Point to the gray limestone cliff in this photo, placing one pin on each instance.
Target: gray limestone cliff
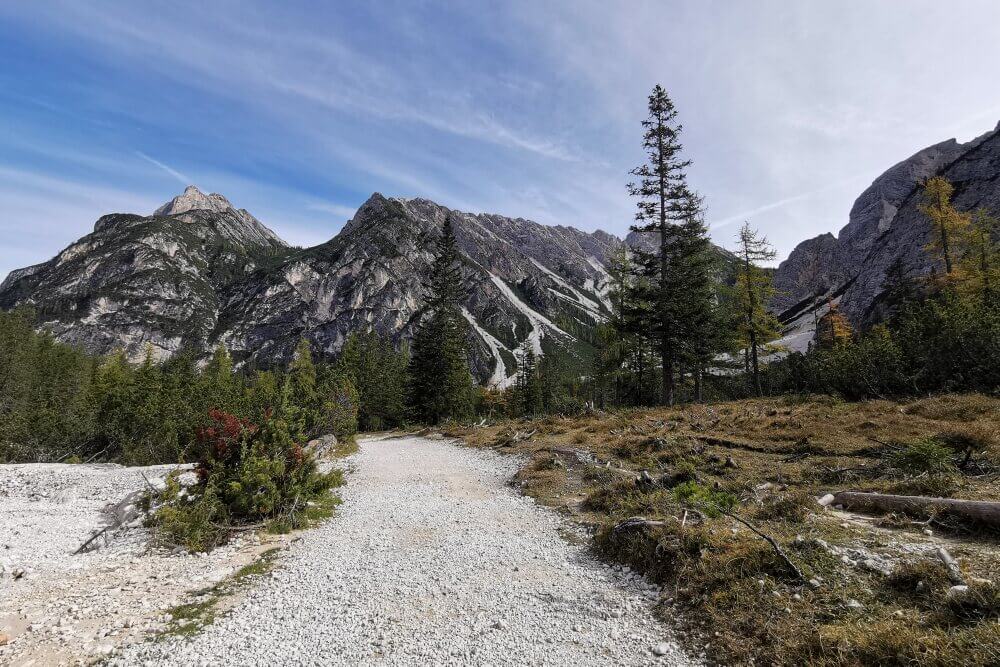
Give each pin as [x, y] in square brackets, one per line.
[885, 226]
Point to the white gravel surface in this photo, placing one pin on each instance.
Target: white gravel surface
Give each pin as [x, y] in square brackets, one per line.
[59, 608]
[432, 559]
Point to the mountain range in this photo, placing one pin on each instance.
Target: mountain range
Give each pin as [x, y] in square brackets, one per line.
[199, 272]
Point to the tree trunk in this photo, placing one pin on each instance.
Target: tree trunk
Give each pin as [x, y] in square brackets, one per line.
[945, 249]
[667, 388]
[638, 385]
[753, 363]
[666, 354]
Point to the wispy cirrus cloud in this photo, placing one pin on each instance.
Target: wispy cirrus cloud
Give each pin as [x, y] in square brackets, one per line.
[855, 180]
[531, 109]
[338, 210]
[170, 170]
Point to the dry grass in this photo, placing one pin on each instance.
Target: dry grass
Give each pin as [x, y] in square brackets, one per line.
[774, 457]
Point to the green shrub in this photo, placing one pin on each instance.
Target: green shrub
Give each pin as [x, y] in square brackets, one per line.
[924, 456]
[247, 475]
[710, 501]
[189, 520]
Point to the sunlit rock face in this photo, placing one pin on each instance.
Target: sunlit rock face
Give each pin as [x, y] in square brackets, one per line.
[199, 272]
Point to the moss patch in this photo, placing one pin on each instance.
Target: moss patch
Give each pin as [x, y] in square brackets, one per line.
[191, 617]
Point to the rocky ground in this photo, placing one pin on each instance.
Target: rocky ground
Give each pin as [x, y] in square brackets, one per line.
[432, 559]
[59, 608]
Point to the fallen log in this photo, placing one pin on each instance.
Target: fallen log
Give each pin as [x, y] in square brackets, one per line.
[981, 512]
[637, 523]
[119, 514]
[729, 443]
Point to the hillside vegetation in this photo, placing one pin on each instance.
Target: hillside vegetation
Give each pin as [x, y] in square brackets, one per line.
[872, 590]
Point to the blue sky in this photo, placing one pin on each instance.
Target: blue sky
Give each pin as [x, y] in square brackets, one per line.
[298, 112]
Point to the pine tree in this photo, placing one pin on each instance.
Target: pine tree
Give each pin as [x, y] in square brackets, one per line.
[663, 199]
[219, 385]
[757, 326]
[695, 297]
[613, 336]
[378, 371]
[948, 224]
[832, 329]
[300, 401]
[899, 287]
[528, 384]
[440, 384]
[981, 260]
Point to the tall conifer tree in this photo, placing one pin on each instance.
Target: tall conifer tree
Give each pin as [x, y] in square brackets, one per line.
[440, 382]
[753, 291]
[664, 200]
[694, 294]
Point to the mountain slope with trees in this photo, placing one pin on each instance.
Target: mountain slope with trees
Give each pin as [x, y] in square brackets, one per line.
[199, 273]
[886, 233]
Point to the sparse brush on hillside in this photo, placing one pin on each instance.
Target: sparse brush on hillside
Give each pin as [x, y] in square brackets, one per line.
[721, 479]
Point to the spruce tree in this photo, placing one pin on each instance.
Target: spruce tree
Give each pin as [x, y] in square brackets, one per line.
[378, 371]
[528, 384]
[694, 295]
[440, 385]
[663, 200]
[611, 336]
[300, 401]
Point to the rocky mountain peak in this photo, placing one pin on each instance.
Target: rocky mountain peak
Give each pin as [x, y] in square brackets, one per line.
[885, 226]
[235, 224]
[193, 199]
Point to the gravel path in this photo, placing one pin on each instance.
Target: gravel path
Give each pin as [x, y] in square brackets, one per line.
[432, 559]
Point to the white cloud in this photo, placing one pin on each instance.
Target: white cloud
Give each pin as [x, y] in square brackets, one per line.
[542, 121]
[43, 214]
